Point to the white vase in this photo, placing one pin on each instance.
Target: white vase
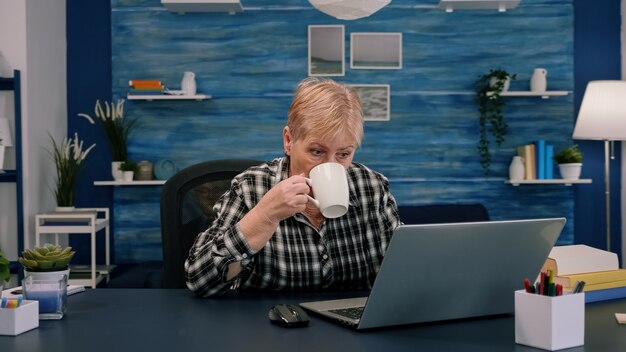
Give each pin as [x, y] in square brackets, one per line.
[539, 80]
[115, 170]
[516, 169]
[570, 171]
[188, 84]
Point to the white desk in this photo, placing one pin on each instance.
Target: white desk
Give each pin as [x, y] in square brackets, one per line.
[81, 221]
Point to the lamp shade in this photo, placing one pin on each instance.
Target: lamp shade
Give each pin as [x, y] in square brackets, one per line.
[349, 9]
[5, 133]
[602, 114]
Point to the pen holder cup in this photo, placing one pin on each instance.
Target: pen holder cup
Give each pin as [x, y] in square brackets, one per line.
[549, 323]
[14, 321]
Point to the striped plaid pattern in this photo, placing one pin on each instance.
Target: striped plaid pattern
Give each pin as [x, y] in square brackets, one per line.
[344, 254]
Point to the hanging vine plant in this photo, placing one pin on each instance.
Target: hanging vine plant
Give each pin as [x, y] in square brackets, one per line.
[491, 119]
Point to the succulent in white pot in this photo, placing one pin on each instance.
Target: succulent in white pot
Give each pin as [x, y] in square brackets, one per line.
[48, 260]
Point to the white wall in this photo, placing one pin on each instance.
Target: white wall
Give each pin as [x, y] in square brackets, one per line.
[33, 40]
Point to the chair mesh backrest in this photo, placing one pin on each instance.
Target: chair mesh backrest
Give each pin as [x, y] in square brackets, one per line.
[196, 208]
[187, 203]
[443, 213]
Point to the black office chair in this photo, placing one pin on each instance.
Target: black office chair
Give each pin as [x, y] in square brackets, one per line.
[442, 213]
[187, 200]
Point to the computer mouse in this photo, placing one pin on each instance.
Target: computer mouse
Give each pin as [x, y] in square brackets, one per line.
[288, 315]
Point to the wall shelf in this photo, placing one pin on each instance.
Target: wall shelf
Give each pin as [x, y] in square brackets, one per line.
[543, 95]
[129, 183]
[184, 6]
[527, 93]
[500, 5]
[555, 181]
[197, 97]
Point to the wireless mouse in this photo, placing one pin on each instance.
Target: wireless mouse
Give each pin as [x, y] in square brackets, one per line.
[288, 315]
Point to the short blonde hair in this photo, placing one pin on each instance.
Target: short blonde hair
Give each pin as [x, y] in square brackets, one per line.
[323, 108]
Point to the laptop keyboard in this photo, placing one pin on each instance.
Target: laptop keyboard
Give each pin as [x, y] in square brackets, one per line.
[352, 313]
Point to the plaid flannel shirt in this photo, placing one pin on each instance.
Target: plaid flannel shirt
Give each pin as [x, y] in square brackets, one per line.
[345, 253]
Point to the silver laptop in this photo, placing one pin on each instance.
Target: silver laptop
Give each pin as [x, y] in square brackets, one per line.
[449, 271]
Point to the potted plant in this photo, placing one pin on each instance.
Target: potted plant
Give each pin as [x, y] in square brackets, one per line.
[5, 275]
[570, 162]
[117, 129]
[48, 260]
[490, 104]
[68, 158]
[128, 168]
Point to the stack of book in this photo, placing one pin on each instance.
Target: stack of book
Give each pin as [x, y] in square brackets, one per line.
[145, 87]
[599, 270]
[538, 163]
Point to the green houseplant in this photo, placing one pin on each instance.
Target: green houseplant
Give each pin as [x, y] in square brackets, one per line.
[68, 158]
[491, 118]
[128, 165]
[570, 161]
[569, 155]
[128, 168]
[47, 258]
[117, 129]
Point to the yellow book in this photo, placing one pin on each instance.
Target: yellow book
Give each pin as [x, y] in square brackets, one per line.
[605, 285]
[593, 278]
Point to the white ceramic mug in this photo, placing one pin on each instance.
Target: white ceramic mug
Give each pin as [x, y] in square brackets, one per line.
[330, 188]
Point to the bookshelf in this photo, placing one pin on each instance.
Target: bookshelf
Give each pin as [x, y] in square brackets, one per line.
[13, 84]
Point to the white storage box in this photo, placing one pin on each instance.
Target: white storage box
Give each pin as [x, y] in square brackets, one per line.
[14, 321]
[549, 323]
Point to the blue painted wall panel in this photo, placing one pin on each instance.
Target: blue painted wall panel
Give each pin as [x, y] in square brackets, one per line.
[250, 63]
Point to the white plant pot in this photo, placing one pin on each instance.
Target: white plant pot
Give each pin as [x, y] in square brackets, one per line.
[128, 176]
[47, 275]
[65, 208]
[570, 171]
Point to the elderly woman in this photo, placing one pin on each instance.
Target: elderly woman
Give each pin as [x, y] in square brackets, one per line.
[269, 236]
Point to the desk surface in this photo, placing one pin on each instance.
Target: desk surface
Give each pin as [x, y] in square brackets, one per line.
[172, 320]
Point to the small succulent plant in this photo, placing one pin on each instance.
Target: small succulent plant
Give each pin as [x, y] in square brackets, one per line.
[47, 258]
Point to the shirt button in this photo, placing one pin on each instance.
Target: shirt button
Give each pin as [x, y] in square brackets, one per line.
[244, 256]
[325, 256]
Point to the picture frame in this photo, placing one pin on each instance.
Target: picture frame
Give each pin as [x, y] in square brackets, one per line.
[376, 51]
[326, 50]
[375, 101]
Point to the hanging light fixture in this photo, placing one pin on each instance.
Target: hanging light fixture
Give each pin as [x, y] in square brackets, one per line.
[349, 9]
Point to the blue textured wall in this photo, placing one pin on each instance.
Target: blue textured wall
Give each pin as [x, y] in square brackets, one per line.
[251, 61]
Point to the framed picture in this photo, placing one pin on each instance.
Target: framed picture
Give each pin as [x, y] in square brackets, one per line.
[380, 51]
[375, 100]
[326, 50]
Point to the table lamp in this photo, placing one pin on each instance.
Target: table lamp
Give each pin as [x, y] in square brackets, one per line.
[602, 116]
[5, 139]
